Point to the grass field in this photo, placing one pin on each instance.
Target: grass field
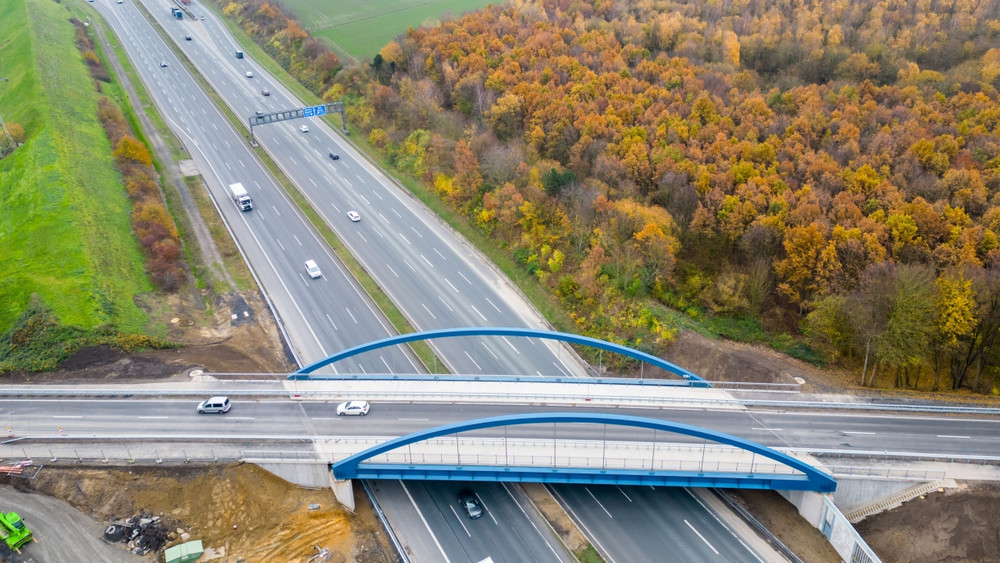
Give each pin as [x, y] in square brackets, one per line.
[361, 29]
[65, 233]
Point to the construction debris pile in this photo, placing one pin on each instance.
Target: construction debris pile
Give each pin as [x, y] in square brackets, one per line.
[143, 533]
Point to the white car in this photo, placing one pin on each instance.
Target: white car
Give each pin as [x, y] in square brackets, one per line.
[312, 269]
[356, 408]
[214, 405]
[249, 74]
[353, 216]
[304, 128]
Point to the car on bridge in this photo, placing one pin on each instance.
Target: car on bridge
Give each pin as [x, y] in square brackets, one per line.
[356, 408]
[214, 405]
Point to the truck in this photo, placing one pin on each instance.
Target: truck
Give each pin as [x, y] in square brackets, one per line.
[240, 197]
[177, 13]
[186, 2]
[15, 533]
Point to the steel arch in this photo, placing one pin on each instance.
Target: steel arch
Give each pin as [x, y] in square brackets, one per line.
[695, 381]
[811, 479]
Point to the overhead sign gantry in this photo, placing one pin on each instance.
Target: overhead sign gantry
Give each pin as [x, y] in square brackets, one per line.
[262, 118]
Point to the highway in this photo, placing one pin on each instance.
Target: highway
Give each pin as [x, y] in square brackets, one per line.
[433, 276]
[322, 315]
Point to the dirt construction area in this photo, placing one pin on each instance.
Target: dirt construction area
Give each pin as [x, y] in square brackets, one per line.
[244, 513]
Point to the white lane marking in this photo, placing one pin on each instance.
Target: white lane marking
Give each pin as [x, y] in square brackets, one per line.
[348, 182]
[482, 316]
[463, 276]
[473, 361]
[297, 239]
[404, 239]
[531, 521]
[724, 526]
[240, 418]
[443, 258]
[278, 240]
[384, 218]
[365, 199]
[598, 502]
[447, 281]
[767, 429]
[416, 232]
[492, 303]
[487, 510]
[352, 316]
[378, 195]
[397, 213]
[312, 182]
[701, 536]
[428, 311]
[388, 368]
[623, 493]
[426, 260]
[66, 416]
[331, 321]
[512, 347]
[459, 520]
[358, 176]
[276, 212]
[956, 437]
[335, 208]
[602, 552]
[391, 270]
[292, 160]
[859, 432]
[153, 417]
[424, 520]
[407, 262]
[445, 303]
[495, 357]
[363, 239]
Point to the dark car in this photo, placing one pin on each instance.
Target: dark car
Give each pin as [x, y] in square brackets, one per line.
[334, 156]
[187, 37]
[470, 502]
[265, 92]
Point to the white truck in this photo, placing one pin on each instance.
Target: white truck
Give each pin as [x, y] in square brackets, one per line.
[240, 196]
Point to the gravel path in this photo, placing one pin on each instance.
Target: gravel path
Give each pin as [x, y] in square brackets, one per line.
[62, 533]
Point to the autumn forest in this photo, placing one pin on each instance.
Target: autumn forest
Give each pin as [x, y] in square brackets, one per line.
[822, 176]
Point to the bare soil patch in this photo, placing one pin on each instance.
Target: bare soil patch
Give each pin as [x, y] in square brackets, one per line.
[947, 527]
[241, 511]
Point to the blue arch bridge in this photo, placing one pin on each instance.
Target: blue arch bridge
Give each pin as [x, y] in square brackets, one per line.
[638, 453]
[574, 448]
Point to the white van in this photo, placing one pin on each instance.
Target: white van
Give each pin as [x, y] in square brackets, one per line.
[214, 405]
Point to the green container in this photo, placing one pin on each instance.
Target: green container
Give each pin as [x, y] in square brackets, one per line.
[184, 553]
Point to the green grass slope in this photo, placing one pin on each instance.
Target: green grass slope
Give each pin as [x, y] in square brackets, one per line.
[361, 29]
[64, 216]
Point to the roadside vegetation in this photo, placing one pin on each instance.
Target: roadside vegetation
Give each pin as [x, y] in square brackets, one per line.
[72, 268]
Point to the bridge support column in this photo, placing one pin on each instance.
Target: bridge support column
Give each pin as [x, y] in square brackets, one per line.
[343, 491]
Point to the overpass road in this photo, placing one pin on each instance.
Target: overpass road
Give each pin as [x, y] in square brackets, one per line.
[954, 436]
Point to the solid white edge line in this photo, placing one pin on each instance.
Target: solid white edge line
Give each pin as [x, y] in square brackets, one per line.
[424, 520]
